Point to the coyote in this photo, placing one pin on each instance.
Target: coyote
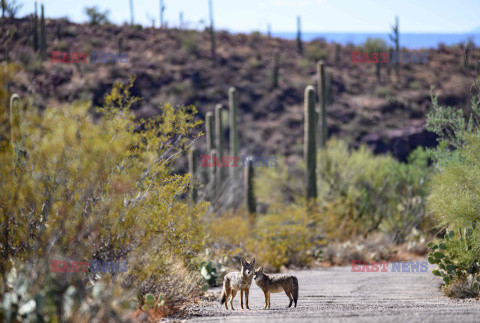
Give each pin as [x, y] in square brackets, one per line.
[238, 281]
[275, 284]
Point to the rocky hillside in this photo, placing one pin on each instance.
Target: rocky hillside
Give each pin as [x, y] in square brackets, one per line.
[176, 66]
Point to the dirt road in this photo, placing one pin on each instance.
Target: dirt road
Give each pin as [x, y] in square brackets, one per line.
[339, 295]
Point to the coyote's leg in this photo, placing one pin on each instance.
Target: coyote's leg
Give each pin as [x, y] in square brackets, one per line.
[246, 298]
[241, 298]
[266, 300]
[234, 292]
[289, 295]
[269, 300]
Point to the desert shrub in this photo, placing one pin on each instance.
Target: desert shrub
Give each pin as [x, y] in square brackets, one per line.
[316, 51]
[453, 198]
[32, 62]
[364, 192]
[284, 237]
[79, 190]
[190, 43]
[95, 17]
[372, 45]
[275, 185]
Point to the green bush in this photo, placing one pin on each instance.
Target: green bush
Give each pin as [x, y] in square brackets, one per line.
[453, 198]
[373, 192]
[372, 45]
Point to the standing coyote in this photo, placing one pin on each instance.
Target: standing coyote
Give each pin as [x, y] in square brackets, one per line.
[238, 281]
[275, 284]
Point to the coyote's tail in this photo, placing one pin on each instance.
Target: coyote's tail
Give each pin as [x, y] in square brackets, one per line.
[295, 289]
[223, 296]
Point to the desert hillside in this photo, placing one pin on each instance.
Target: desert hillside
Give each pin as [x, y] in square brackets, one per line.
[175, 66]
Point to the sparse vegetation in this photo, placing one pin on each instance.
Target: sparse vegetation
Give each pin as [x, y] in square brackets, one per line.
[95, 16]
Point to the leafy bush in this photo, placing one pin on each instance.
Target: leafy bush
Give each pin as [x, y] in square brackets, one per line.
[316, 51]
[190, 43]
[284, 237]
[453, 198]
[366, 192]
[372, 45]
[80, 190]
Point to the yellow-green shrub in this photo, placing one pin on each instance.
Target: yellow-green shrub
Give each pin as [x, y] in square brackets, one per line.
[77, 189]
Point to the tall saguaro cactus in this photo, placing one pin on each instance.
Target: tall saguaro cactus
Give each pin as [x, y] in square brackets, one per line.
[322, 98]
[337, 54]
[251, 204]
[234, 149]
[212, 31]
[35, 29]
[131, 13]
[276, 67]
[209, 131]
[395, 38]
[162, 12]
[219, 141]
[192, 169]
[299, 36]
[310, 149]
[43, 38]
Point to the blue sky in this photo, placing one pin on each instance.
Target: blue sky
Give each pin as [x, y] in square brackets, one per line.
[436, 16]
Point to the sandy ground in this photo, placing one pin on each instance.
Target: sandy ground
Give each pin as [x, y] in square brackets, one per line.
[340, 295]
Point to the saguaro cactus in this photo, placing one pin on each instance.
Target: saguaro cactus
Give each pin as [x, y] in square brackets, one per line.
[212, 31]
[180, 24]
[162, 12]
[192, 169]
[337, 54]
[120, 45]
[310, 149]
[232, 101]
[131, 13]
[395, 38]
[35, 29]
[43, 39]
[299, 36]
[251, 204]
[213, 176]
[276, 66]
[269, 30]
[322, 132]
[219, 141]
[209, 131]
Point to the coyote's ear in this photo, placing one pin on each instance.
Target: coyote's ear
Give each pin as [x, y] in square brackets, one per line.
[242, 261]
[253, 261]
[260, 269]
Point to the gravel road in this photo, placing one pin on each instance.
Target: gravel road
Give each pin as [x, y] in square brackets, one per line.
[340, 295]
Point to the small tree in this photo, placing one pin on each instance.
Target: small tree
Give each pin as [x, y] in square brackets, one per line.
[95, 17]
